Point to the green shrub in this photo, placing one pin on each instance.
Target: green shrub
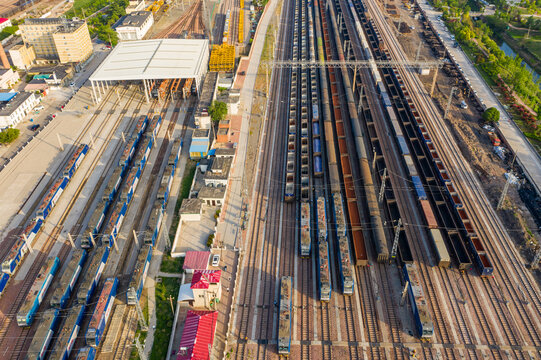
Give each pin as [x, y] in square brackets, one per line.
[9, 135]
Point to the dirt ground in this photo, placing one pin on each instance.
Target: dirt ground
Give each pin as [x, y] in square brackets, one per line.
[472, 139]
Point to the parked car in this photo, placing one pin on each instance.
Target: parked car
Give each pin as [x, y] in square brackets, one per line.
[34, 127]
[216, 260]
[463, 104]
[40, 107]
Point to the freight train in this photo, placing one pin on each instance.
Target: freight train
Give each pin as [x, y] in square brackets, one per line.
[45, 333]
[285, 315]
[305, 236]
[37, 292]
[68, 279]
[421, 316]
[324, 275]
[101, 314]
[92, 274]
[133, 295]
[19, 249]
[68, 334]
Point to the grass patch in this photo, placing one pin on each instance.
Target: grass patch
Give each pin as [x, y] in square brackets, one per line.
[185, 186]
[171, 265]
[162, 333]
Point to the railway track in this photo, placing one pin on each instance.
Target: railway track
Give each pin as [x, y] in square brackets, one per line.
[24, 335]
[265, 234]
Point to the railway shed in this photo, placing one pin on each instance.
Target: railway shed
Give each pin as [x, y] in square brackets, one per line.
[154, 63]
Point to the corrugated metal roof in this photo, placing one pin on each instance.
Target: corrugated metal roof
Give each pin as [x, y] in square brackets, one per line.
[198, 333]
[154, 59]
[202, 278]
[199, 146]
[7, 96]
[196, 260]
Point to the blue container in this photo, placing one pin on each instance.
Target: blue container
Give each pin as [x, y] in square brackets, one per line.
[421, 194]
[315, 129]
[317, 166]
[317, 146]
[403, 146]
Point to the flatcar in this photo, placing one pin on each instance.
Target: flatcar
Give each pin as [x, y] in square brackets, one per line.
[421, 316]
[68, 334]
[285, 315]
[442, 255]
[305, 238]
[46, 331]
[139, 275]
[51, 198]
[19, 249]
[37, 292]
[92, 274]
[86, 353]
[68, 279]
[99, 319]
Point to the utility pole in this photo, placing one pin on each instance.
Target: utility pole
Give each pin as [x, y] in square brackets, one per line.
[28, 245]
[449, 102]
[60, 142]
[171, 302]
[418, 51]
[92, 239]
[404, 292]
[140, 350]
[360, 107]
[374, 158]
[434, 82]
[135, 238]
[504, 194]
[70, 238]
[140, 316]
[535, 261]
[396, 237]
[382, 188]
[92, 141]
[123, 137]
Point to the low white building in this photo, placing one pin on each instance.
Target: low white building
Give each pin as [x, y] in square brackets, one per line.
[14, 106]
[134, 26]
[8, 78]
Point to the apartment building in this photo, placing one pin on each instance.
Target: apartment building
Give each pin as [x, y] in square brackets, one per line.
[57, 40]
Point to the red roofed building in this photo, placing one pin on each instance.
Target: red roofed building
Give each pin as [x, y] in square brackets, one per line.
[4, 23]
[197, 335]
[206, 288]
[196, 260]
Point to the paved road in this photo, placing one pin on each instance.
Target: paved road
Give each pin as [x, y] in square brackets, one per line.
[526, 154]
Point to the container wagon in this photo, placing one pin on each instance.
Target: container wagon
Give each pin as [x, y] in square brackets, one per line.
[46, 331]
[139, 275]
[51, 198]
[284, 321]
[92, 274]
[68, 334]
[68, 279]
[86, 353]
[37, 292]
[421, 316]
[306, 240]
[442, 255]
[19, 249]
[99, 319]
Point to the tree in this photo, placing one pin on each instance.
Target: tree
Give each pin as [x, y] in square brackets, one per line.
[9, 135]
[491, 115]
[218, 111]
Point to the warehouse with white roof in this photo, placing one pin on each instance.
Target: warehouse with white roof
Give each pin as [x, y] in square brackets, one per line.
[153, 62]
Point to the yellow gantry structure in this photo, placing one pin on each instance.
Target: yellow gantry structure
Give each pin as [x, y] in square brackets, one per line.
[222, 58]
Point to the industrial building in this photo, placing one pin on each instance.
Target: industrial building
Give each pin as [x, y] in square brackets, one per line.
[135, 5]
[134, 26]
[8, 78]
[22, 56]
[57, 40]
[14, 106]
[157, 64]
